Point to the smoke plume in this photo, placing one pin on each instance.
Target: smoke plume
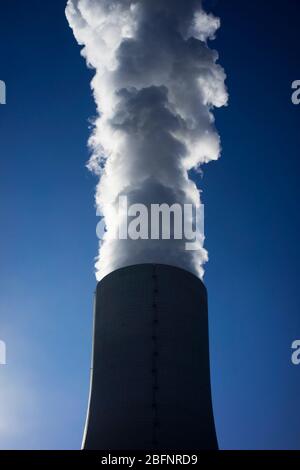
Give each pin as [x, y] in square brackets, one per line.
[156, 82]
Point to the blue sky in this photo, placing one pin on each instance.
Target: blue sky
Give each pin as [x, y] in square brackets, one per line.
[48, 241]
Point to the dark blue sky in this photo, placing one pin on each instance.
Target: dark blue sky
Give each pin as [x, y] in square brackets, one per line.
[48, 241]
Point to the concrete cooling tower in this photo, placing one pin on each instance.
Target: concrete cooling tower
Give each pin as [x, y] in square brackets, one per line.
[150, 379]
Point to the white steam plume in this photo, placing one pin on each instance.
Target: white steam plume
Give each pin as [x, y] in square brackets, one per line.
[155, 85]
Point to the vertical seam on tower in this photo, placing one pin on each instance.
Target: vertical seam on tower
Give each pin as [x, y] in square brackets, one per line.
[154, 359]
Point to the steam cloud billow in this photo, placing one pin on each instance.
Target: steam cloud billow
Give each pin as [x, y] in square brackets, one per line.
[155, 85]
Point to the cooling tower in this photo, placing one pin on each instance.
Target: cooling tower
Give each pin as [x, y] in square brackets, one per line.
[150, 379]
